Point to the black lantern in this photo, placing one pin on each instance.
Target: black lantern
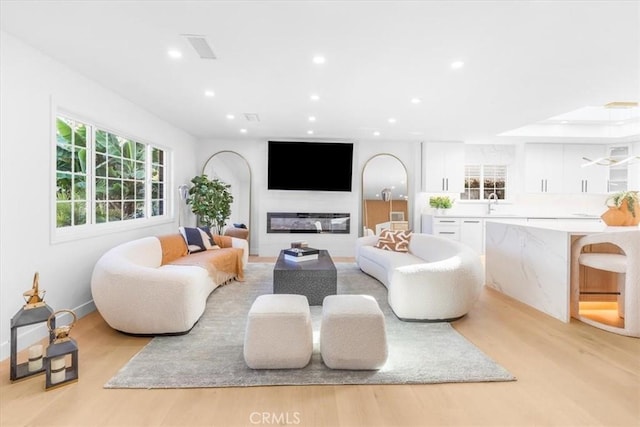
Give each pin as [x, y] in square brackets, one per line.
[34, 311]
[61, 359]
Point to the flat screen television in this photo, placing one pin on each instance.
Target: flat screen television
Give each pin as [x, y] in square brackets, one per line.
[310, 166]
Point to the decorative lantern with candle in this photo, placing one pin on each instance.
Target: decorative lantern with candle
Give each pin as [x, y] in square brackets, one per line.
[58, 369]
[34, 311]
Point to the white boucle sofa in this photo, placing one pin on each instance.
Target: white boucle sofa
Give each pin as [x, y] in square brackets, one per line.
[439, 279]
[148, 287]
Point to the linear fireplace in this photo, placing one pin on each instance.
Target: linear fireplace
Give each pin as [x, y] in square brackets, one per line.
[304, 222]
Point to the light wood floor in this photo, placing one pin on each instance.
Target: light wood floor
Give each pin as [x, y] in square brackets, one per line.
[568, 375]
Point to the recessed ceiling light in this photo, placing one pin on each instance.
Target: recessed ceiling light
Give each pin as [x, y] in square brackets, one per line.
[564, 122]
[376, 133]
[619, 123]
[174, 53]
[457, 64]
[314, 97]
[391, 120]
[230, 116]
[209, 93]
[312, 118]
[416, 100]
[309, 132]
[319, 59]
[243, 131]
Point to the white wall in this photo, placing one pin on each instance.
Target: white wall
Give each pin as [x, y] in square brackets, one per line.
[264, 201]
[31, 85]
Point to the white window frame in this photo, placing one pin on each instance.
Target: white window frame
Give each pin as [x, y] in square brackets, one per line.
[481, 189]
[92, 229]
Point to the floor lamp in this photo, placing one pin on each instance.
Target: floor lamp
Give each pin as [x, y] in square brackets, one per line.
[183, 191]
[386, 196]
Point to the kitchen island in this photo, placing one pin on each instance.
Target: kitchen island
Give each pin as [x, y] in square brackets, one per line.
[530, 261]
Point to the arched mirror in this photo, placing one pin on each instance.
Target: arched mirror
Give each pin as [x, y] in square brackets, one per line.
[233, 169]
[384, 195]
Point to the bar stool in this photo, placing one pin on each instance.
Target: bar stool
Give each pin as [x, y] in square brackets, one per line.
[625, 264]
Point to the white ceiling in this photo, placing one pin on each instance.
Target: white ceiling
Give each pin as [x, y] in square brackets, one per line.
[525, 62]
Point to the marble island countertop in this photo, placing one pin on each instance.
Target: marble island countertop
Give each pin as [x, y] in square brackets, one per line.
[530, 260]
[506, 215]
[568, 225]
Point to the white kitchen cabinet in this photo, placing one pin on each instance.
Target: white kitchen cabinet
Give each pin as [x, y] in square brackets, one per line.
[447, 227]
[557, 168]
[543, 168]
[443, 167]
[472, 233]
[578, 179]
[469, 231]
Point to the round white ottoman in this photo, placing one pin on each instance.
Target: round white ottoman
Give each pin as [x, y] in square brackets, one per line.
[353, 334]
[279, 333]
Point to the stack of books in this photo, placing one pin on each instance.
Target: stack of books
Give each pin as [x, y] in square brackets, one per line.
[301, 254]
[299, 244]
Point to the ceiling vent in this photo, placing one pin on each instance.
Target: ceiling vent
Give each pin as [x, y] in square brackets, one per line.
[201, 46]
[252, 117]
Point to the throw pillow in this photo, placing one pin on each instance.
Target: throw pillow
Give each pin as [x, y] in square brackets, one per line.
[207, 238]
[193, 237]
[397, 241]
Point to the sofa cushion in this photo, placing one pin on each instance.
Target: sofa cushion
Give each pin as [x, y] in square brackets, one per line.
[389, 260]
[227, 261]
[397, 241]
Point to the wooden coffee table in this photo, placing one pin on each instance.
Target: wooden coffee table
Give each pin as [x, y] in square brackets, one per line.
[314, 279]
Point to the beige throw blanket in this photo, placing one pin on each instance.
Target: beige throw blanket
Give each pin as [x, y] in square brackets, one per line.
[222, 264]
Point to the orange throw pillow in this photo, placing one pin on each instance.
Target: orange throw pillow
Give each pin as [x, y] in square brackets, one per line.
[397, 241]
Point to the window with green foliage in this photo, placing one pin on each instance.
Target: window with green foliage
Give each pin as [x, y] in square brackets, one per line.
[480, 181]
[103, 177]
[71, 173]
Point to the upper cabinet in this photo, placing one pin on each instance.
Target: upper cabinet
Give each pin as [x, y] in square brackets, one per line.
[443, 167]
[558, 168]
[580, 179]
[543, 168]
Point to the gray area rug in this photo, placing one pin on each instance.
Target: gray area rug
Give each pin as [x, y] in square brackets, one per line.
[211, 354]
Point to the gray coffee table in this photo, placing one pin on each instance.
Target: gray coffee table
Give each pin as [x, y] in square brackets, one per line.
[314, 279]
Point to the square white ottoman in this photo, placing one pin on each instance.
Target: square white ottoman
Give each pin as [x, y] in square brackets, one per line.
[279, 333]
[353, 334]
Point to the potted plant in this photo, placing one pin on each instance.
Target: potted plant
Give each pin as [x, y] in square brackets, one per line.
[624, 209]
[440, 203]
[210, 200]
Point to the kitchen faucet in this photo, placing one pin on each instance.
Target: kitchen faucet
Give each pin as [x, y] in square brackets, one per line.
[492, 196]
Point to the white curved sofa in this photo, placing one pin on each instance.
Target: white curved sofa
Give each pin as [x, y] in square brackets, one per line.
[137, 292]
[439, 279]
